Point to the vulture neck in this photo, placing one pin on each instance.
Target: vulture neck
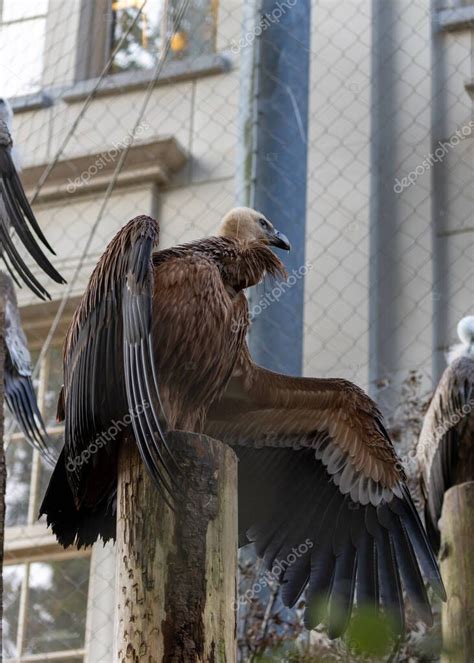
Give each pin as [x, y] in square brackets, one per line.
[251, 262]
[460, 350]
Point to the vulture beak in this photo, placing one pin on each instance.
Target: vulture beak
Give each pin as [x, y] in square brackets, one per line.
[280, 240]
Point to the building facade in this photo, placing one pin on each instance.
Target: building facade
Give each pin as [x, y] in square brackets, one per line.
[389, 243]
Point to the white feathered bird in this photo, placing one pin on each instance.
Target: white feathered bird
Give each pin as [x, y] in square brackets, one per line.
[16, 214]
[446, 444]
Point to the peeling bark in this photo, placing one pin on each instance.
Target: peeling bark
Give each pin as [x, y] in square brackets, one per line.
[176, 573]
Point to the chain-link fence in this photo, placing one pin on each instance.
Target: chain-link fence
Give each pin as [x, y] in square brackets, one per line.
[127, 107]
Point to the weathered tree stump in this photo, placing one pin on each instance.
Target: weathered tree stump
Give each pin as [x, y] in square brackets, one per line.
[457, 569]
[177, 570]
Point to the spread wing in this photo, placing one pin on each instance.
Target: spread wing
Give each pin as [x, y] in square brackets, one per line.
[16, 213]
[109, 374]
[322, 494]
[19, 392]
[448, 427]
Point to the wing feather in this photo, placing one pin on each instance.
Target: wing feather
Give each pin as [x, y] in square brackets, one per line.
[342, 594]
[19, 391]
[367, 585]
[410, 571]
[318, 474]
[20, 398]
[109, 363]
[446, 427]
[391, 596]
[16, 213]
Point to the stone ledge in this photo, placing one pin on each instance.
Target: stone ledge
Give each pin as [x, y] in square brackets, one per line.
[29, 102]
[458, 18]
[172, 72]
[126, 81]
[153, 161]
[35, 542]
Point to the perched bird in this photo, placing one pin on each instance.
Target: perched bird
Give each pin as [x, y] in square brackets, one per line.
[16, 213]
[446, 444]
[19, 392]
[316, 464]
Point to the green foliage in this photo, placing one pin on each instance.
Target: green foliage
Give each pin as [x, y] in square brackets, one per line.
[369, 634]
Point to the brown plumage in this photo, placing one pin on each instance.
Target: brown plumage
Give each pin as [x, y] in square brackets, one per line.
[144, 321]
[205, 279]
[316, 463]
[445, 447]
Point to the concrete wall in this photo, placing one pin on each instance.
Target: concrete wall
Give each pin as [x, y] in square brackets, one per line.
[391, 270]
[338, 233]
[200, 113]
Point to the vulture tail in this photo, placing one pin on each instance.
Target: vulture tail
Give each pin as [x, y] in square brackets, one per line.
[72, 525]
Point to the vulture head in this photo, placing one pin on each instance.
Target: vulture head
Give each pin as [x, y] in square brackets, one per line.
[465, 331]
[248, 225]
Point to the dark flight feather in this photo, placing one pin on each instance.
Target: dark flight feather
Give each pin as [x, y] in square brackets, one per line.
[16, 214]
[307, 466]
[20, 395]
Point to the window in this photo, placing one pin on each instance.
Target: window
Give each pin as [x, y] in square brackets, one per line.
[45, 606]
[195, 35]
[22, 32]
[45, 587]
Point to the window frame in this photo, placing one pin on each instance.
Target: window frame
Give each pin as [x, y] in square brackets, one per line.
[42, 15]
[94, 25]
[33, 542]
[92, 54]
[72, 654]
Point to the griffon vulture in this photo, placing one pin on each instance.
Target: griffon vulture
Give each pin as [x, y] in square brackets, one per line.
[20, 395]
[446, 444]
[316, 463]
[15, 212]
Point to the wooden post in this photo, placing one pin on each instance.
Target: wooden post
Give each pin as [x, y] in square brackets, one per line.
[457, 569]
[177, 571]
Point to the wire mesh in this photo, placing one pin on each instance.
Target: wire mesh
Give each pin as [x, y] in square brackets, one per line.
[125, 107]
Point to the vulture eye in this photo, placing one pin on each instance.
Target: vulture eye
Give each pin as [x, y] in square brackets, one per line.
[264, 223]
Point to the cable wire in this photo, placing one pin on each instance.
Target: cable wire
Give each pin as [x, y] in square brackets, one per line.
[108, 192]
